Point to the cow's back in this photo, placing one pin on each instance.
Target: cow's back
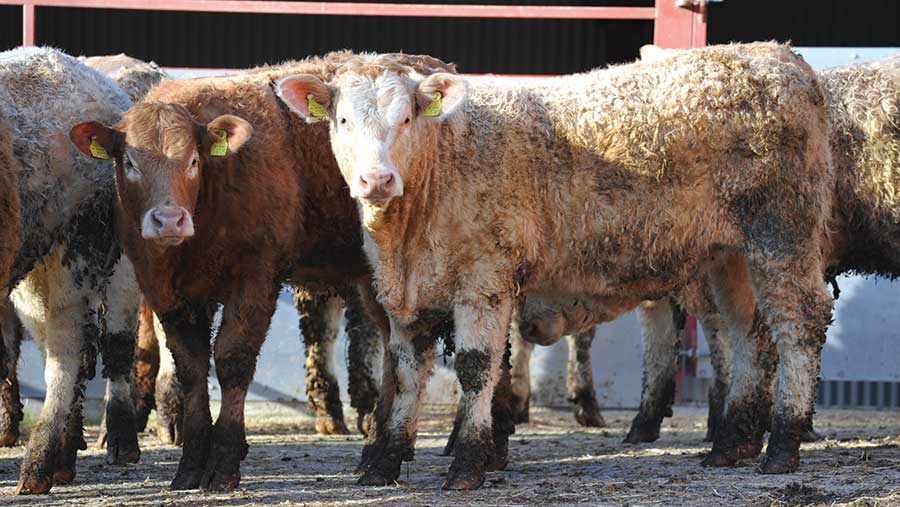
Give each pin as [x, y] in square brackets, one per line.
[864, 106]
[43, 94]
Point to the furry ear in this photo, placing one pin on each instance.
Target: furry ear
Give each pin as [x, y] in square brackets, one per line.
[306, 95]
[96, 140]
[225, 134]
[439, 95]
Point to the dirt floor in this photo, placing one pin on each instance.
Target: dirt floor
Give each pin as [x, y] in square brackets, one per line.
[554, 462]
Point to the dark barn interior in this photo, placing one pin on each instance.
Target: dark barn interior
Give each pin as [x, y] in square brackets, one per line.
[479, 46]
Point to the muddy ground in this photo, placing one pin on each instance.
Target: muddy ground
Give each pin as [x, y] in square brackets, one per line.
[554, 462]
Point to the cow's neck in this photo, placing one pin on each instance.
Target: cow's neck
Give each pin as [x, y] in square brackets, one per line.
[398, 231]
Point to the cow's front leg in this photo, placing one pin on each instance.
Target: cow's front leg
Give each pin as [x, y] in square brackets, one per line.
[320, 323]
[245, 321]
[168, 396]
[187, 332]
[60, 316]
[580, 380]
[10, 403]
[408, 364]
[481, 337]
[118, 347]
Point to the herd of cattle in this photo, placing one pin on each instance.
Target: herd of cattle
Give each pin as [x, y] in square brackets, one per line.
[729, 182]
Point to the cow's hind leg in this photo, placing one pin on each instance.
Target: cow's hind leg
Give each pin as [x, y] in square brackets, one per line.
[10, 403]
[580, 380]
[661, 325]
[797, 309]
[146, 368]
[520, 373]
[168, 395]
[746, 414]
[365, 355]
[320, 321]
[118, 346]
[721, 354]
[245, 320]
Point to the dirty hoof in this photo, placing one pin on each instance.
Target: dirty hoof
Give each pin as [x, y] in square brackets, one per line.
[373, 477]
[327, 425]
[520, 409]
[642, 434]
[463, 480]
[589, 418]
[167, 433]
[220, 480]
[34, 485]
[364, 422]
[9, 438]
[718, 459]
[810, 436]
[498, 463]
[121, 453]
[783, 462]
[64, 475]
[186, 479]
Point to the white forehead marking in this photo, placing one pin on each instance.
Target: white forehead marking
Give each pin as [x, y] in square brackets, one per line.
[379, 104]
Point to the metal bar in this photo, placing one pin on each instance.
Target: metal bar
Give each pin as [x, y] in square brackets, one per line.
[28, 24]
[359, 8]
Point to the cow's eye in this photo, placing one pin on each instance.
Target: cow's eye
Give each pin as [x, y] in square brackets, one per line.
[195, 162]
[406, 121]
[342, 121]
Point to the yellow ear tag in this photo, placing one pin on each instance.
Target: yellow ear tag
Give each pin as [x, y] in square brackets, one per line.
[220, 147]
[315, 109]
[434, 109]
[97, 150]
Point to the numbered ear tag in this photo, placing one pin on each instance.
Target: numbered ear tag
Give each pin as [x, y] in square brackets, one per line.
[315, 109]
[434, 109]
[220, 147]
[97, 150]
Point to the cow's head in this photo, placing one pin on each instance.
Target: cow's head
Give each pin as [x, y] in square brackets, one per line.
[383, 117]
[160, 155]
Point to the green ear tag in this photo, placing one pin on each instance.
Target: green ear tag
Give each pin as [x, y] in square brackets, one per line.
[220, 147]
[434, 109]
[315, 109]
[97, 150]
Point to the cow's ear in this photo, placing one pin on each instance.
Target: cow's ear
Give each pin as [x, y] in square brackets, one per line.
[439, 95]
[306, 95]
[98, 141]
[226, 134]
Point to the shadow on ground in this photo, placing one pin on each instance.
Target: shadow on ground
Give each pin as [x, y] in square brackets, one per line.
[554, 462]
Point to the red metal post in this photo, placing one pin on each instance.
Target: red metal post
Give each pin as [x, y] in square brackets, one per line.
[680, 24]
[28, 24]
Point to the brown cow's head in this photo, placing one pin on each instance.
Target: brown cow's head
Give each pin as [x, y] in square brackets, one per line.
[381, 114]
[160, 154]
